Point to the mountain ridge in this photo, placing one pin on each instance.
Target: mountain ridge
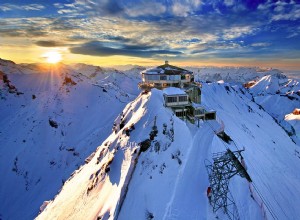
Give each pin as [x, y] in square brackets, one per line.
[63, 118]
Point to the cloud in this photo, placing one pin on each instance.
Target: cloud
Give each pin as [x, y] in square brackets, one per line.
[281, 10]
[130, 8]
[29, 32]
[292, 16]
[179, 9]
[260, 44]
[49, 43]
[185, 7]
[93, 7]
[229, 2]
[236, 32]
[175, 27]
[58, 5]
[29, 7]
[66, 11]
[286, 11]
[96, 48]
[30, 27]
[117, 38]
[145, 8]
[13, 32]
[170, 32]
[215, 46]
[294, 32]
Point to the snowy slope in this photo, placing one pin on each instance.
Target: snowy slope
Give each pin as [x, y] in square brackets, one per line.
[8, 67]
[36, 157]
[279, 96]
[231, 74]
[170, 179]
[97, 191]
[56, 117]
[276, 83]
[270, 152]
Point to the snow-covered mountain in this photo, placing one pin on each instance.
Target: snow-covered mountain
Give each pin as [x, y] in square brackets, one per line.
[62, 143]
[280, 96]
[231, 74]
[52, 119]
[168, 180]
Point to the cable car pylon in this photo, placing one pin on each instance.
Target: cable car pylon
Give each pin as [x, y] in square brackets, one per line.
[225, 165]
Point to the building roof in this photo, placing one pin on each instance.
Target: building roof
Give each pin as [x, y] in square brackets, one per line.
[167, 69]
[197, 105]
[173, 91]
[154, 71]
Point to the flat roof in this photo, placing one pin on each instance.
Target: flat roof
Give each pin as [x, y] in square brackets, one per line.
[196, 105]
[201, 106]
[173, 91]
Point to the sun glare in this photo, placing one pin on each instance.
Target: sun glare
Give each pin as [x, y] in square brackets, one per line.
[52, 57]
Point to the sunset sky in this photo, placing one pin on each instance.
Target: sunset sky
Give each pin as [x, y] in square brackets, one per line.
[186, 32]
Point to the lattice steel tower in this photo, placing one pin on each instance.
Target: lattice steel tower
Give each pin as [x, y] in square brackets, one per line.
[225, 165]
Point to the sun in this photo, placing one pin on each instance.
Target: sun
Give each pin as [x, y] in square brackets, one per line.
[52, 57]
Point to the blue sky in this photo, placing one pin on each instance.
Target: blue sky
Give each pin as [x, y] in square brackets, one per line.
[230, 32]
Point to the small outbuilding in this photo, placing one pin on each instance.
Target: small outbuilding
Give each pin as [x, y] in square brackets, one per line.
[178, 100]
[175, 97]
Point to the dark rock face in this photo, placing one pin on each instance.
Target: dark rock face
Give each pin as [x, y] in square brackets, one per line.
[53, 123]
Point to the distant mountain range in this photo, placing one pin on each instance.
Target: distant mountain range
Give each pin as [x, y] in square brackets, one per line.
[59, 143]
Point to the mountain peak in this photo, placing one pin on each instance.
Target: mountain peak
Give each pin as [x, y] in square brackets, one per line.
[6, 62]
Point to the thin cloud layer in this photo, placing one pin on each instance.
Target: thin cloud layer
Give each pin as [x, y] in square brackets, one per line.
[101, 49]
[29, 7]
[184, 29]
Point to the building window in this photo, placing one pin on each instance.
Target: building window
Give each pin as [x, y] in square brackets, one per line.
[182, 98]
[151, 77]
[163, 77]
[171, 99]
[174, 77]
[180, 114]
[198, 111]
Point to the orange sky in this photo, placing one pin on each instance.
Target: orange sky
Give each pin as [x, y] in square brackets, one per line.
[34, 54]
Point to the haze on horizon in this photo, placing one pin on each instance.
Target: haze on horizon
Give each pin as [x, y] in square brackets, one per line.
[188, 32]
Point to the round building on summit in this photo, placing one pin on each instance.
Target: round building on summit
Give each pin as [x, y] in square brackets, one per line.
[166, 76]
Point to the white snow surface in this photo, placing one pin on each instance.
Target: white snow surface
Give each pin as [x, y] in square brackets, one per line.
[170, 179]
[279, 96]
[35, 158]
[279, 83]
[231, 74]
[154, 71]
[173, 91]
[294, 120]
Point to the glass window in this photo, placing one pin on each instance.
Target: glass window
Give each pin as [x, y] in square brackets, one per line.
[152, 77]
[199, 111]
[171, 99]
[180, 114]
[182, 98]
[174, 77]
[163, 77]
